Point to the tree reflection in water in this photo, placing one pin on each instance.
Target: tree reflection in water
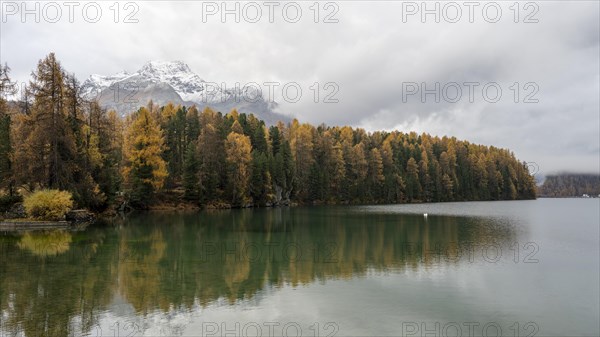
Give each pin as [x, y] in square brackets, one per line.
[60, 283]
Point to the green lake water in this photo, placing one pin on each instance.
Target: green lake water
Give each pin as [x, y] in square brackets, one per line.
[513, 268]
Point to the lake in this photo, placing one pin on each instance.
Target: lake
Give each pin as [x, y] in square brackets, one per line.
[510, 268]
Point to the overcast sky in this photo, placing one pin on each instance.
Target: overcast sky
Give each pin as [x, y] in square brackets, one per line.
[375, 54]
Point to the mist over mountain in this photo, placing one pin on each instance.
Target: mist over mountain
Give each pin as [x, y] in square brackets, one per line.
[164, 82]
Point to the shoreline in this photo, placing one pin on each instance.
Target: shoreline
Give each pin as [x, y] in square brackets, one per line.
[27, 224]
[224, 206]
[82, 218]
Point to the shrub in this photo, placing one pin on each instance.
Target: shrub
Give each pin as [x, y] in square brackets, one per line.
[6, 202]
[48, 204]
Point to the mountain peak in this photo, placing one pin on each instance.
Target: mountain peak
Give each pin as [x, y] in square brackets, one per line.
[177, 73]
[165, 68]
[173, 81]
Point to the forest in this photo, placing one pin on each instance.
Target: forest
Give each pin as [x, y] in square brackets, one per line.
[53, 138]
[570, 185]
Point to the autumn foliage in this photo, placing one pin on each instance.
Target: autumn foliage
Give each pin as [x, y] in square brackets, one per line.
[48, 204]
[145, 170]
[55, 139]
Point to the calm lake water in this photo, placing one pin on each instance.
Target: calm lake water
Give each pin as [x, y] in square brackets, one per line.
[522, 268]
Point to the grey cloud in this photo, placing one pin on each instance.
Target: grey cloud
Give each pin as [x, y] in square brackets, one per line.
[369, 53]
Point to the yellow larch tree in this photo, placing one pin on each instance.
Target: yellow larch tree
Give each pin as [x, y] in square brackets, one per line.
[145, 170]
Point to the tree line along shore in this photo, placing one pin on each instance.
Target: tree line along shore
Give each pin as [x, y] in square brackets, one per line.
[178, 156]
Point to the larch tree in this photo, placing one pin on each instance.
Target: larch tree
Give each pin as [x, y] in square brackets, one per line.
[145, 170]
[238, 151]
[47, 149]
[301, 143]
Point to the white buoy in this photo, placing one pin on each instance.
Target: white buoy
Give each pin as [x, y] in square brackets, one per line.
[424, 215]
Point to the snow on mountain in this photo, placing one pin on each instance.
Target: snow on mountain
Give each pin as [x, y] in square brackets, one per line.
[178, 75]
[175, 82]
[93, 85]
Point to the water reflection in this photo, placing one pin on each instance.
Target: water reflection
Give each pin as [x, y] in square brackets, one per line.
[61, 283]
[46, 243]
[52, 279]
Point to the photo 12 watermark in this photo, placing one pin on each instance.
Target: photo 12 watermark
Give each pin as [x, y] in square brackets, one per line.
[469, 329]
[269, 12]
[133, 327]
[472, 252]
[470, 11]
[268, 329]
[69, 11]
[130, 93]
[532, 167]
[249, 92]
[470, 91]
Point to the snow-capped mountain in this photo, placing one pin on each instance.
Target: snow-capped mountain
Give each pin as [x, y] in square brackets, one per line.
[175, 82]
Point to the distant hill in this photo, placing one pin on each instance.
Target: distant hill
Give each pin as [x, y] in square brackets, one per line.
[570, 185]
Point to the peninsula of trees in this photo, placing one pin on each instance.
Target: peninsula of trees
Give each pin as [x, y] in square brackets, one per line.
[54, 138]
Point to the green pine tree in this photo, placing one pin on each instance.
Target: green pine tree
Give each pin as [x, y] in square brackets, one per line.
[191, 182]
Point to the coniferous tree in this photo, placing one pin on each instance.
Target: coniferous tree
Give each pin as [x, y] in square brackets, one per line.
[190, 173]
[145, 170]
[47, 148]
[301, 143]
[375, 174]
[5, 153]
[173, 123]
[413, 187]
[260, 182]
[192, 125]
[211, 152]
[107, 133]
[84, 127]
[239, 158]
[6, 173]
